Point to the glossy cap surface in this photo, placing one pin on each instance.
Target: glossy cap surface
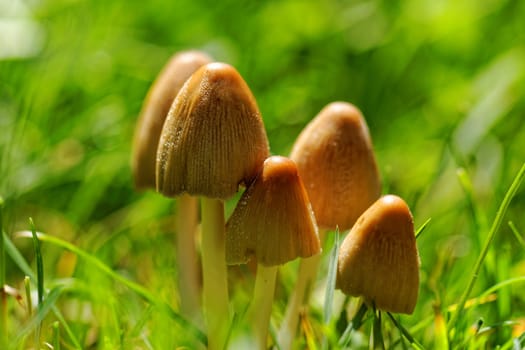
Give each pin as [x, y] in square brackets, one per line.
[273, 220]
[155, 110]
[378, 259]
[336, 161]
[213, 139]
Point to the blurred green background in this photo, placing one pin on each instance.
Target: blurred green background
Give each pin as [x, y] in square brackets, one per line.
[440, 83]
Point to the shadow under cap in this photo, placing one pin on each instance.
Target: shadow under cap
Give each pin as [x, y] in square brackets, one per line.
[155, 110]
[213, 139]
[336, 161]
[273, 220]
[378, 259]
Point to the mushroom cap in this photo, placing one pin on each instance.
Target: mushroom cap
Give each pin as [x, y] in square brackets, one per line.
[213, 139]
[336, 161]
[273, 220]
[155, 110]
[378, 259]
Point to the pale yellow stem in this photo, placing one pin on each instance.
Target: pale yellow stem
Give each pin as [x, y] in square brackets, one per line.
[299, 299]
[186, 223]
[260, 309]
[214, 272]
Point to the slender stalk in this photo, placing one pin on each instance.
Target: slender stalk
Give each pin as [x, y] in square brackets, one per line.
[40, 277]
[493, 230]
[376, 339]
[188, 272]
[56, 335]
[260, 309]
[3, 295]
[27, 287]
[299, 299]
[215, 282]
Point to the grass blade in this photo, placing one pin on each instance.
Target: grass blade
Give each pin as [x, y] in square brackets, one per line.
[138, 289]
[3, 295]
[22, 264]
[42, 312]
[39, 277]
[56, 335]
[356, 323]
[2, 246]
[18, 259]
[493, 230]
[330, 284]
[377, 332]
[516, 234]
[27, 287]
[39, 263]
[422, 228]
[405, 332]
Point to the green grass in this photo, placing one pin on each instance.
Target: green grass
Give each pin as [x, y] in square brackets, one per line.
[440, 85]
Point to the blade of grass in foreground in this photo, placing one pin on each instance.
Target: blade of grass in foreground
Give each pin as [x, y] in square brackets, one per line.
[422, 228]
[493, 230]
[19, 261]
[405, 332]
[3, 296]
[39, 277]
[516, 234]
[42, 312]
[330, 285]
[141, 291]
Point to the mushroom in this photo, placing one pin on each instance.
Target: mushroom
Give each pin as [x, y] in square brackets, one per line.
[155, 110]
[274, 223]
[336, 162]
[213, 140]
[378, 259]
[147, 134]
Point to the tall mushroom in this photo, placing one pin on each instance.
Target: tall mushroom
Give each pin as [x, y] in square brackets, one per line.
[273, 222]
[155, 110]
[147, 134]
[213, 140]
[378, 259]
[336, 162]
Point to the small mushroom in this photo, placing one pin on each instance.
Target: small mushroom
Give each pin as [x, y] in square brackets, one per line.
[155, 110]
[378, 259]
[147, 134]
[273, 222]
[336, 161]
[213, 140]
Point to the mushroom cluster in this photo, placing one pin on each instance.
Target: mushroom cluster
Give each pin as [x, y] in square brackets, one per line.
[201, 137]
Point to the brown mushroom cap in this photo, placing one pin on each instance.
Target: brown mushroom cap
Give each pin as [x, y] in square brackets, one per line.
[378, 259]
[155, 110]
[336, 162]
[273, 220]
[213, 139]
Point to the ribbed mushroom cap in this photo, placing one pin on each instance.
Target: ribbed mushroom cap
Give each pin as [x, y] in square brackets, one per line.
[155, 110]
[378, 259]
[336, 162]
[273, 220]
[213, 139]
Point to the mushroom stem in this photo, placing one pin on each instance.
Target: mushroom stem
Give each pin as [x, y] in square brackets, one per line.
[214, 272]
[188, 278]
[260, 309]
[299, 299]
